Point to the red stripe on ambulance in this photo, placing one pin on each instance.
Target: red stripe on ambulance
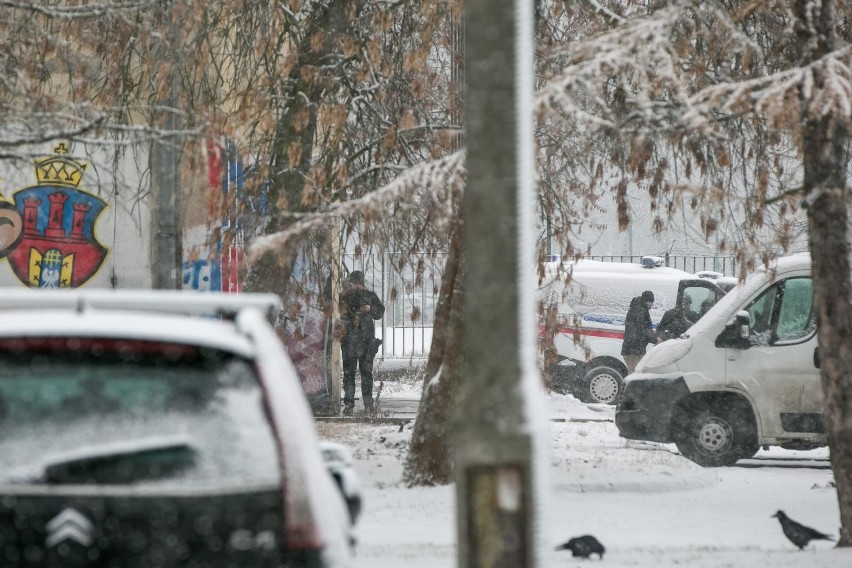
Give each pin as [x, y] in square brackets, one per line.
[611, 334]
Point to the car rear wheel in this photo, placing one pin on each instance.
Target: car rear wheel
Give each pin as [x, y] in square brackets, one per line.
[716, 437]
[601, 384]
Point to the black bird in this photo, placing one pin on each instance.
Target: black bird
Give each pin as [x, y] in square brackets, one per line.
[583, 546]
[799, 534]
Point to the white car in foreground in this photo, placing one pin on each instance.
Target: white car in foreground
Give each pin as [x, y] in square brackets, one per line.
[156, 428]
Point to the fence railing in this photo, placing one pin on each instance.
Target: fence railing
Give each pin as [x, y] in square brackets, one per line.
[409, 287]
[410, 292]
[688, 263]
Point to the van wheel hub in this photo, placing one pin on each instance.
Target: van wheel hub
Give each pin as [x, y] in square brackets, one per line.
[714, 436]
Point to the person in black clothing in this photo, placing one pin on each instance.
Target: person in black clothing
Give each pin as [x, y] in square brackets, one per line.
[638, 330]
[358, 308]
[676, 321]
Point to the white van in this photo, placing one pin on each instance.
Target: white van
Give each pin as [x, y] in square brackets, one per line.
[746, 375]
[591, 309]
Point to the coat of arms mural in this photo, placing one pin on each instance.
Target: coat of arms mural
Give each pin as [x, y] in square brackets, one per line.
[47, 233]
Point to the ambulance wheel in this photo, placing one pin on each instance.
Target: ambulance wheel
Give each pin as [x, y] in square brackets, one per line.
[601, 384]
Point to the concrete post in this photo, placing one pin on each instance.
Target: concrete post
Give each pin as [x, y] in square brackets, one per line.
[493, 442]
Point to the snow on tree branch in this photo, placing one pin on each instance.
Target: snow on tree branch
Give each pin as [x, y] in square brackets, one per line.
[825, 85]
[442, 179]
[600, 9]
[83, 11]
[635, 73]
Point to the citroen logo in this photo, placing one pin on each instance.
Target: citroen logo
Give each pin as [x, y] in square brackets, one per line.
[70, 524]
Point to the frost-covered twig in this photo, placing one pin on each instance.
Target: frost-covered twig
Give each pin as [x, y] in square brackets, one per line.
[441, 178]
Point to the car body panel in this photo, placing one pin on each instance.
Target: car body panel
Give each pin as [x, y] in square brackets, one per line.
[145, 326]
[297, 517]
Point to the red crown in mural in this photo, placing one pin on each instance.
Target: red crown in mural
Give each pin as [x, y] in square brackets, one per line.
[60, 169]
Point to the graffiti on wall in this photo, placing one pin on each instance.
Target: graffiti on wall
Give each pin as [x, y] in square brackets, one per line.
[234, 213]
[217, 266]
[47, 232]
[202, 275]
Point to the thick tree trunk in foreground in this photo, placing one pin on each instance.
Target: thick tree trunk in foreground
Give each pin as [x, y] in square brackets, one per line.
[430, 460]
[825, 163]
[832, 292]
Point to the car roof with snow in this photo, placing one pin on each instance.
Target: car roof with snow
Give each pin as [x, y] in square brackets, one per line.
[601, 291]
[554, 269]
[154, 315]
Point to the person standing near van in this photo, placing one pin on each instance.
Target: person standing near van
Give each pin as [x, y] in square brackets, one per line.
[638, 330]
[358, 308]
[676, 321]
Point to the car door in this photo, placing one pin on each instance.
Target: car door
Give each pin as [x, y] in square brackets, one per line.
[776, 366]
[695, 297]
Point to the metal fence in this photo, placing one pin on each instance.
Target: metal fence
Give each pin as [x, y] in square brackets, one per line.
[409, 286]
[724, 264]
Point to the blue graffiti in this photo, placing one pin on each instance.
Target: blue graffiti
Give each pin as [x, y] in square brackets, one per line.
[202, 275]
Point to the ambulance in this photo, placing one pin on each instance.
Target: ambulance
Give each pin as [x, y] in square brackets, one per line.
[591, 299]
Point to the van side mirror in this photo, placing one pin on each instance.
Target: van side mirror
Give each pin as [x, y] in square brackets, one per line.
[743, 324]
[737, 333]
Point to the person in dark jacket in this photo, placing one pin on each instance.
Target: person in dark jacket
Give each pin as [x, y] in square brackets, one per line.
[638, 330]
[358, 308]
[676, 321]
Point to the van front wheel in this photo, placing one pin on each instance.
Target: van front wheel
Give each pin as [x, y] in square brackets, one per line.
[716, 437]
[600, 384]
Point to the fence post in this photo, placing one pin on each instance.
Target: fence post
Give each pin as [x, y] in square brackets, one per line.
[384, 300]
[335, 363]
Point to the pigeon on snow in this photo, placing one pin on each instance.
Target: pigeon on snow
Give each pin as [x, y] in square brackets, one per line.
[799, 534]
[583, 546]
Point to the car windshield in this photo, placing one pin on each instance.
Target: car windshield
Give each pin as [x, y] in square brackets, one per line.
[107, 411]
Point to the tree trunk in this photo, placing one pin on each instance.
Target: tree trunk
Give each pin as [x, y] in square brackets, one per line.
[825, 163]
[828, 219]
[292, 152]
[429, 460]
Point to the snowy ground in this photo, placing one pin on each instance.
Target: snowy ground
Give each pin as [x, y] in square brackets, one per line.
[644, 502]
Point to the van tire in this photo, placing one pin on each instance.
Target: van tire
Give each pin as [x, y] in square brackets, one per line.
[600, 384]
[713, 436]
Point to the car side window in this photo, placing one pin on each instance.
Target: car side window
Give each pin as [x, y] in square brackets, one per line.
[796, 318]
[783, 313]
[697, 300]
[760, 316]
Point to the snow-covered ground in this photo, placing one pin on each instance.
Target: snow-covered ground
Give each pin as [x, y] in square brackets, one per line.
[648, 505]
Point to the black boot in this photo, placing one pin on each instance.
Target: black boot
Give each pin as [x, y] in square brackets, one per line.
[348, 408]
[368, 407]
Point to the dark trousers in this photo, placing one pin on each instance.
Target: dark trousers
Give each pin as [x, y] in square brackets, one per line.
[357, 355]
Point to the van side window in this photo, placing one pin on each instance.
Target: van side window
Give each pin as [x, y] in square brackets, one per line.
[796, 319]
[783, 313]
